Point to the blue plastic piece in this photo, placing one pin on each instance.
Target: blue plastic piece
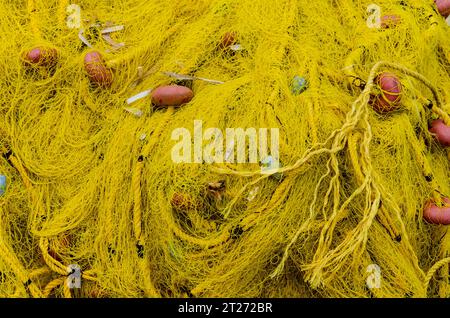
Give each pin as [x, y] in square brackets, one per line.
[299, 85]
[267, 164]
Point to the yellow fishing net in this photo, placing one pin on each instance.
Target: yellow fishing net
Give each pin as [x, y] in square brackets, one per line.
[92, 185]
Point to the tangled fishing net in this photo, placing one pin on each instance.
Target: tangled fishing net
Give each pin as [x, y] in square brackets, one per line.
[89, 180]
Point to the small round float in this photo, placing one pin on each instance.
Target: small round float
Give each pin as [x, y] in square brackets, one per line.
[172, 95]
[96, 69]
[390, 21]
[441, 132]
[41, 56]
[228, 39]
[443, 7]
[182, 202]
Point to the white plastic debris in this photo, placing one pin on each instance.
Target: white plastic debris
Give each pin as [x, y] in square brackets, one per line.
[112, 29]
[140, 72]
[83, 39]
[113, 43]
[236, 47]
[252, 194]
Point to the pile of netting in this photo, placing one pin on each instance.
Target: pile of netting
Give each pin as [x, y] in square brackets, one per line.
[89, 185]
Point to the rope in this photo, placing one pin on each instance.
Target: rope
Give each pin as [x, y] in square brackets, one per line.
[52, 285]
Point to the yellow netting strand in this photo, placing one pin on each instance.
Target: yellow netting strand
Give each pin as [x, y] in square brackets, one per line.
[433, 270]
